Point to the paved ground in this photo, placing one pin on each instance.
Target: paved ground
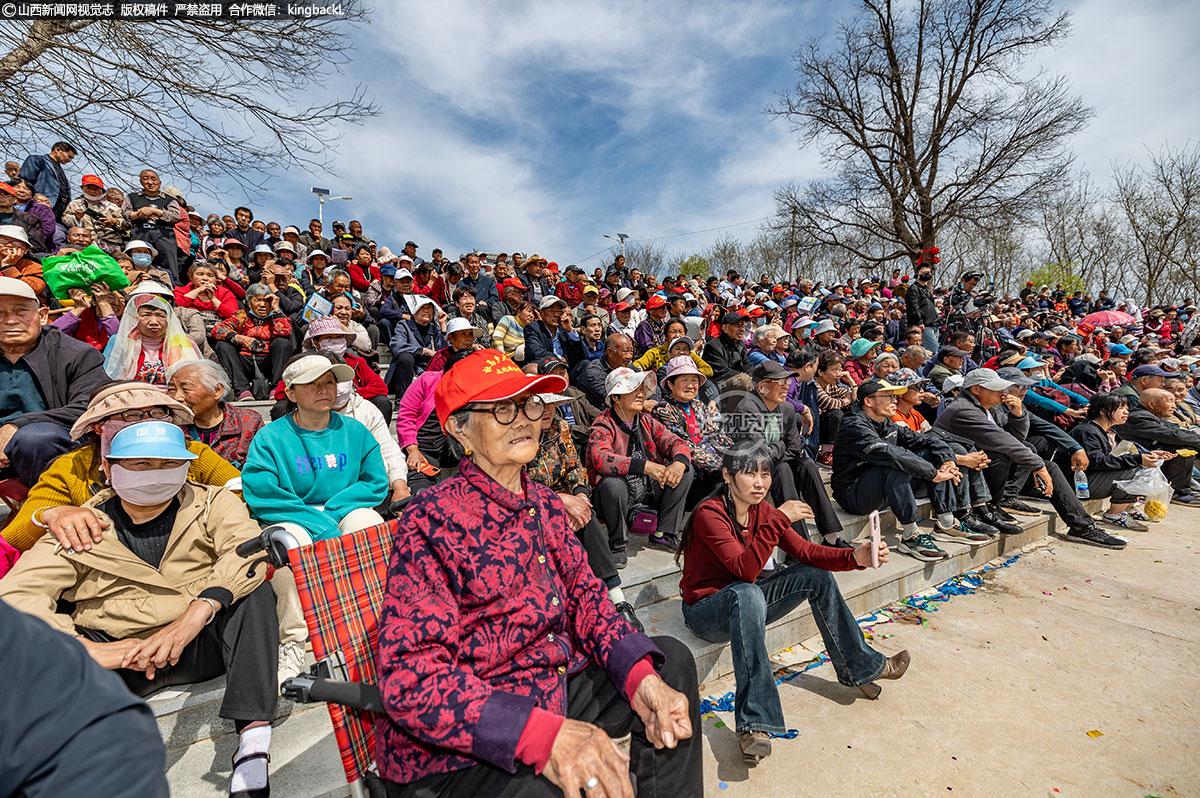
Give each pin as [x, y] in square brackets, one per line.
[1005, 686]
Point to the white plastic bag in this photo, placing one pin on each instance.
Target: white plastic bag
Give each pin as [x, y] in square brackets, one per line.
[1149, 482]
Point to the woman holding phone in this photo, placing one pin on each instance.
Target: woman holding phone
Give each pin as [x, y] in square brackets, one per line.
[732, 590]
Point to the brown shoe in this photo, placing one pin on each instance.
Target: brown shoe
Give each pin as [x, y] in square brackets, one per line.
[755, 746]
[894, 668]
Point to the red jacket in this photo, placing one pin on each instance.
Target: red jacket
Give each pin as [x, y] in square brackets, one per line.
[266, 330]
[715, 557]
[609, 442]
[571, 294]
[224, 302]
[361, 277]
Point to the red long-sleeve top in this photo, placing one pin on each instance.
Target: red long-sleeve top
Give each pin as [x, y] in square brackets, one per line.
[715, 556]
[224, 302]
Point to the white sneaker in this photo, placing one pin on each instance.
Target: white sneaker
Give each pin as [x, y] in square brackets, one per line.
[291, 660]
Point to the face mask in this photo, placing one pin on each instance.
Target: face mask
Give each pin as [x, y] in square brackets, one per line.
[142, 259]
[344, 391]
[337, 346]
[93, 197]
[147, 488]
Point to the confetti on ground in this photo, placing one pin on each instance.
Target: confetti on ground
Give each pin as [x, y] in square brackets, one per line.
[1047, 592]
[721, 724]
[1095, 733]
[723, 786]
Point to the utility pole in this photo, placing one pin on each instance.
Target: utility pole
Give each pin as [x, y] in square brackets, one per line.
[792, 251]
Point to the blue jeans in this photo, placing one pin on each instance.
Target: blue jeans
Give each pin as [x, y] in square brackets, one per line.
[929, 338]
[739, 613]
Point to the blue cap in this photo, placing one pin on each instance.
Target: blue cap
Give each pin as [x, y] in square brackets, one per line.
[1031, 363]
[1119, 349]
[387, 270]
[159, 439]
[1148, 370]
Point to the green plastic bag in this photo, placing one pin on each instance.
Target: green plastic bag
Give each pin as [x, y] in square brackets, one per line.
[81, 269]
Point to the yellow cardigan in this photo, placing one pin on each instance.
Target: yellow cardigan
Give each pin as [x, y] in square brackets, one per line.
[75, 477]
[656, 357]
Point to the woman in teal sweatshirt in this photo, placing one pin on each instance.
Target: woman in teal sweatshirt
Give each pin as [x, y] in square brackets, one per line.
[313, 467]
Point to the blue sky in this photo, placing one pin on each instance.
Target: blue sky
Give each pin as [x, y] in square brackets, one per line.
[542, 126]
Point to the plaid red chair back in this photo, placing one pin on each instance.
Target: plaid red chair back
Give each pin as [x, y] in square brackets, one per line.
[341, 582]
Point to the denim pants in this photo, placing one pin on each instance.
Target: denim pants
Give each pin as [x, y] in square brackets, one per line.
[739, 613]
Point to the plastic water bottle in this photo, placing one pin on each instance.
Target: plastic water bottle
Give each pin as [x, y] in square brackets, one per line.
[1081, 484]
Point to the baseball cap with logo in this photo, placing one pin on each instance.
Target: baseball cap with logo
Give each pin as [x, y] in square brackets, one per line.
[487, 376]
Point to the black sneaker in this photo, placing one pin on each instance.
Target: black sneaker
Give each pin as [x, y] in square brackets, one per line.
[625, 609]
[619, 557]
[838, 543]
[1019, 507]
[995, 511]
[1005, 523]
[665, 540]
[1095, 536]
[978, 523]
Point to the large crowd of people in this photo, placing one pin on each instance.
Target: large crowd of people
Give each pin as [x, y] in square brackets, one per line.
[538, 418]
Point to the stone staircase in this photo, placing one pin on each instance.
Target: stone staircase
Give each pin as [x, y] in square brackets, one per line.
[305, 761]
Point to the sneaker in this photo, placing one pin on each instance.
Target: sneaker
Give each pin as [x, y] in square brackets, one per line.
[1123, 521]
[625, 610]
[1095, 536]
[620, 558]
[756, 745]
[245, 396]
[1004, 523]
[838, 543]
[1186, 499]
[1136, 514]
[665, 540]
[1019, 507]
[996, 512]
[922, 548]
[825, 458]
[291, 660]
[976, 522]
[960, 534]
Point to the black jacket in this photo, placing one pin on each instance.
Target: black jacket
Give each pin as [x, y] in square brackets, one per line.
[67, 372]
[32, 226]
[1148, 430]
[590, 379]
[539, 341]
[1099, 451]
[727, 357]
[863, 443]
[1002, 433]
[752, 421]
[918, 305]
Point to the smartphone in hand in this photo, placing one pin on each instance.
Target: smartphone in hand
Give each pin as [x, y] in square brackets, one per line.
[873, 522]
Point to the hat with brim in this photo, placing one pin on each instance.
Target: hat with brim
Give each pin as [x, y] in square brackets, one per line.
[459, 325]
[139, 244]
[861, 346]
[769, 370]
[1023, 334]
[678, 366]
[656, 301]
[732, 317]
[591, 289]
[621, 307]
[14, 232]
[1013, 374]
[1031, 363]
[323, 326]
[157, 439]
[986, 378]
[823, 326]
[907, 378]
[623, 380]
[311, 368]
[1118, 349]
[233, 242]
[550, 300]
[316, 253]
[1147, 370]
[549, 363]
[684, 339]
[122, 396]
[488, 376]
[554, 398]
[951, 351]
[11, 286]
[872, 387]
[153, 287]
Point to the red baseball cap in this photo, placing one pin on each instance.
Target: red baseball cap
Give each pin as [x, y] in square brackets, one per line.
[513, 282]
[656, 301]
[8, 188]
[679, 289]
[617, 308]
[92, 180]
[756, 311]
[552, 266]
[779, 289]
[487, 376]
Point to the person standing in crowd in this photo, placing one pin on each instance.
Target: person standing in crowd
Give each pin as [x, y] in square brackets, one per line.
[729, 595]
[45, 175]
[920, 309]
[94, 213]
[49, 378]
[164, 599]
[152, 216]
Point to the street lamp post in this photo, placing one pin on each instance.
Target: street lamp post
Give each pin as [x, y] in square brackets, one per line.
[322, 198]
[621, 237]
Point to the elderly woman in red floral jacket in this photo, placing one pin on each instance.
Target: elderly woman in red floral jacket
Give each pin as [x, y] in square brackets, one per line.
[640, 469]
[254, 341]
[504, 668]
